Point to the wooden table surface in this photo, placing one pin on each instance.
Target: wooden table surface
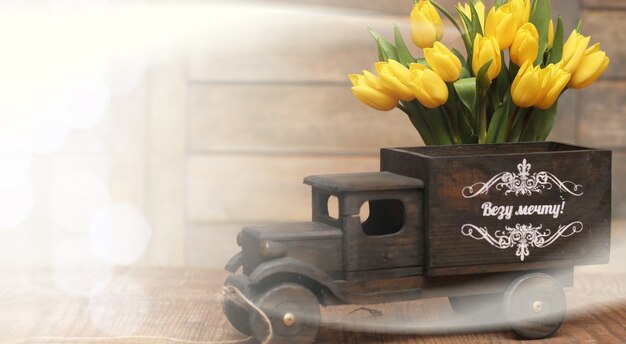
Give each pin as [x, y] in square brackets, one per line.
[145, 305]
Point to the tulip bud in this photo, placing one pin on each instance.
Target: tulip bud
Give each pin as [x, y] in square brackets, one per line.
[370, 90]
[591, 67]
[525, 45]
[501, 24]
[555, 78]
[443, 62]
[426, 24]
[486, 49]
[525, 87]
[467, 10]
[427, 86]
[574, 50]
[521, 11]
[395, 77]
[551, 34]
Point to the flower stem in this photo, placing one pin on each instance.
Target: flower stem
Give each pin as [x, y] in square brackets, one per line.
[511, 121]
[525, 123]
[453, 125]
[482, 133]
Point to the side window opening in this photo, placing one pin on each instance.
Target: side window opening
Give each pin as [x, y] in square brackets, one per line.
[332, 205]
[382, 217]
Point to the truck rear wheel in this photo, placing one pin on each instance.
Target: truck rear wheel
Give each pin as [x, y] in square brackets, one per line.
[293, 311]
[534, 305]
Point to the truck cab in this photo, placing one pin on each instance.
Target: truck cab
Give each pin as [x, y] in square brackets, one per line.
[375, 229]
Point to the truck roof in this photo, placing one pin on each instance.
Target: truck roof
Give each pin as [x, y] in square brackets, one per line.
[375, 181]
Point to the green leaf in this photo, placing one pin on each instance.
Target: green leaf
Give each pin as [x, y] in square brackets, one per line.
[416, 116]
[422, 61]
[498, 127]
[503, 81]
[476, 21]
[541, 18]
[460, 57]
[403, 52]
[471, 34]
[466, 90]
[540, 124]
[465, 73]
[579, 27]
[482, 79]
[556, 54]
[387, 49]
[466, 40]
[499, 3]
[437, 120]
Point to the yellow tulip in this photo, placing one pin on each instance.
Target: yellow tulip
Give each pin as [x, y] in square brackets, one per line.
[592, 65]
[521, 11]
[525, 44]
[555, 78]
[486, 49]
[525, 87]
[501, 24]
[395, 77]
[427, 86]
[574, 50]
[426, 24]
[538, 87]
[443, 62]
[369, 89]
[551, 34]
[467, 10]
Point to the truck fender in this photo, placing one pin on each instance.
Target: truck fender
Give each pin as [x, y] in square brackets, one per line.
[292, 266]
[234, 263]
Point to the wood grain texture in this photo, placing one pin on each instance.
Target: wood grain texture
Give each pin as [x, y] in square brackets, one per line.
[619, 184]
[211, 245]
[291, 44]
[602, 111]
[186, 304]
[165, 161]
[607, 27]
[456, 200]
[604, 4]
[259, 188]
[291, 118]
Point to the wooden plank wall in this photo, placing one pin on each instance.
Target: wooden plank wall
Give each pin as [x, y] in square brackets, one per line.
[262, 116]
[271, 113]
[220, 134]
[601, 116]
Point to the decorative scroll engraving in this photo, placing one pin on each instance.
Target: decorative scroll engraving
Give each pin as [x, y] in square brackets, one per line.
[522, 183]
[522, 237]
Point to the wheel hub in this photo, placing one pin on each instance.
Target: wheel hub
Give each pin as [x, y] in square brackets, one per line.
[289, 319]
[537, 306]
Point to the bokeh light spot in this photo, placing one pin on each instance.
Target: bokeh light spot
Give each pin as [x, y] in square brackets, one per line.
[75, 199]
[77, 270]
[120, 233]
[16, 202]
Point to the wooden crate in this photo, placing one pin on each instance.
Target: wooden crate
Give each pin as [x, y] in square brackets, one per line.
[509, 207]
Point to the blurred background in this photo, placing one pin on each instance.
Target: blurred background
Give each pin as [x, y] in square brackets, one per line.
[149, 132]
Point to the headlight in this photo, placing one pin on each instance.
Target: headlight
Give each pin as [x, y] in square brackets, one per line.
[239, 235]
[272, 249]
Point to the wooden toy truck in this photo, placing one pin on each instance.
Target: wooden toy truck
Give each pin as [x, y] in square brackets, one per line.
[505, 223]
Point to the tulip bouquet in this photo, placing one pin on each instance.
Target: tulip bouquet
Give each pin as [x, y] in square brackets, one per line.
[480, 98]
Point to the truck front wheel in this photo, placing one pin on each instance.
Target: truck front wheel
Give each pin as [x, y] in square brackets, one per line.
[534, 305]
[293, 311]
